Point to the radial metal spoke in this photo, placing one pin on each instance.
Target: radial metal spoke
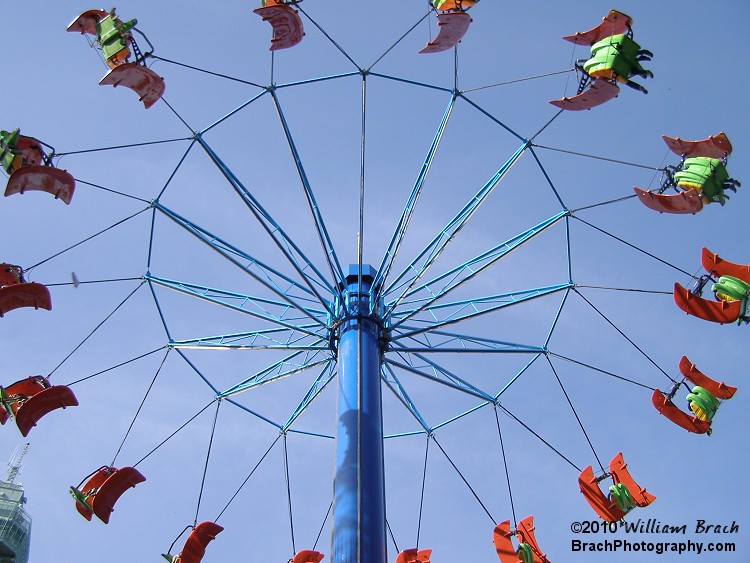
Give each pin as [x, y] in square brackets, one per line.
[324, 378]
[440, 375]
[337, 273]
[264, 274]
[274, 338]
[443, 342]
[403, 224]
[477, 307]
[459, 275]
[389, 378]
[237, 302]
[418, 266]
[292, 364]
[294, 255]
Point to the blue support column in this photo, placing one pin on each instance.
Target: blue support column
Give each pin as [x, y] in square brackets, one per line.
[359, 534]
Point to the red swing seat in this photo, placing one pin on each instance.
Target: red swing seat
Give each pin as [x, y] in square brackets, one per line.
[142, 80]
[32, 398]
[414, 555]
[42, 178]
[722, 312]
[103, 489]
[684, 202]
[717, 266]
[286, 23]
[715, 146]
[27, 294]
[525, 534]
[599, 92]
[604, 506]
[307, 556]
[452, 26]
[86, 22]
[16, 293]
[686, 420]
[148, 85]
[614, 23]
[30, 172]
[196, 543]
[718, 389]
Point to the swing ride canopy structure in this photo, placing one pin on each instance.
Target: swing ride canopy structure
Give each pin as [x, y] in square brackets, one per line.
[437, 297]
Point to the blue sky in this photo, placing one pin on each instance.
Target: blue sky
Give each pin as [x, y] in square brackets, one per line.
[51, 93]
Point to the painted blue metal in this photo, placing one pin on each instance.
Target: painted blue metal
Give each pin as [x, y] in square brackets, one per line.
[400, 231]
[235, 110]
[495, 302]
[325, 376]
[436, 246]
[337, 273]
[314, 80]
[466, 271]
[272, 338]
[335, 325]
[290, 365]
[232, 300]
[443, 341]
[264, 274]
[394, 384]
[359, 533]
[495, 119]
[443, 376]
[519, 374]
[283, 241]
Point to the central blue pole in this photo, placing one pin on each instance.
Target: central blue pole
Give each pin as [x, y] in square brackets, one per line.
[359, 534]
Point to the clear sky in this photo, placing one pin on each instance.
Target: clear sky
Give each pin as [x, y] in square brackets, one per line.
[510, 64]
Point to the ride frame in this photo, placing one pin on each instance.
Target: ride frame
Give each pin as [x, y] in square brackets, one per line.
[362, 325]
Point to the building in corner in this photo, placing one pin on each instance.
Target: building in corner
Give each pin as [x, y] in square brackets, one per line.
[15, 523]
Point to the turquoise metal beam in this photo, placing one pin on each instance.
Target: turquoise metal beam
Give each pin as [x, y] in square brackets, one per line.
[436, 246]
[461, 274]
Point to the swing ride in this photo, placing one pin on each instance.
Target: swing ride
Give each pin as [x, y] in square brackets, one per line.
[701, 177]
[406, 280]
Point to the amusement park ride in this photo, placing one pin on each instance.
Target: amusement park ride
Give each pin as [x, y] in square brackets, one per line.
[358, 325]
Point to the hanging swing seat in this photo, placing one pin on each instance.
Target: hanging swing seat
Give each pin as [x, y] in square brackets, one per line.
[42, 178]
[607, 508]
[196, 543]
[87, 21]
[722, 312]
[715, 146]
[286, 23]
[619, 470]
[102, 490]
[683, 202]
[30, 399]
[26, 294]
[115, 38]
[614, 23]
[24, 160]
[307, 556]
[690, 421]
[717, 266]
[414, 555]
[452, 26]
[599, 92]
[16, 293]
[718, 389]
[527, 542]
[142, 80]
